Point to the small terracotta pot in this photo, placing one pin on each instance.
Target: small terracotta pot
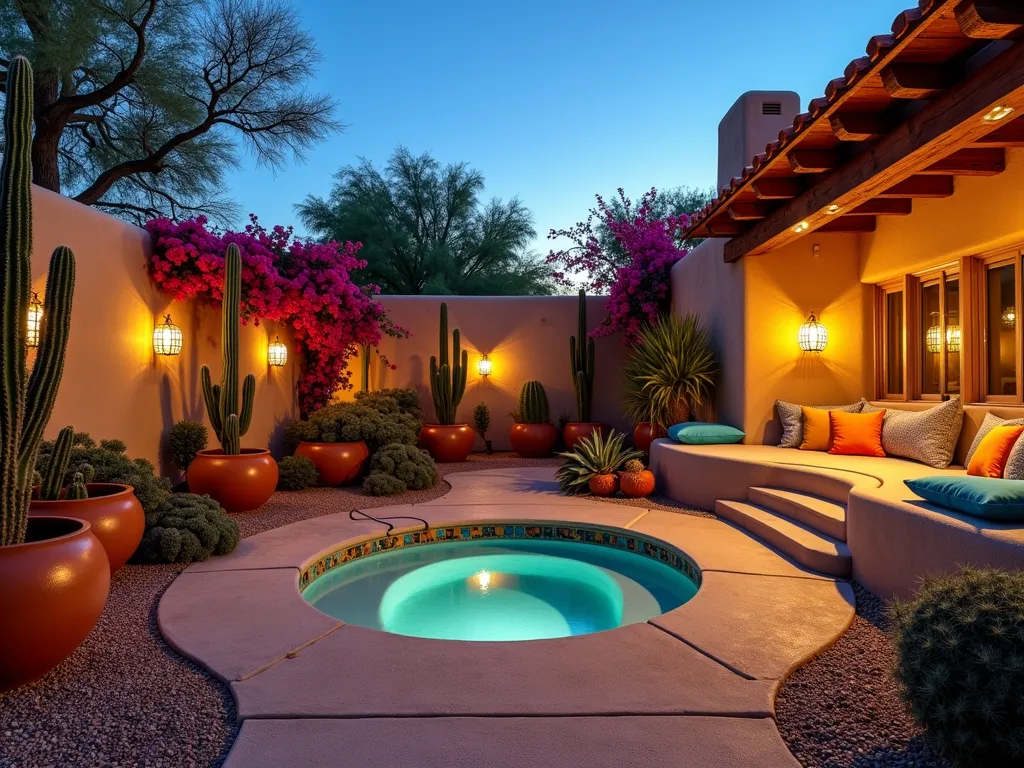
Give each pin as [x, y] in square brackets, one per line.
[533, 441]
[238, 483]
[577, 430]
[603, 485]
[448, 442]
[646, 433]
[637, 485]
[54, 588]
[113, 513]
[337, 463]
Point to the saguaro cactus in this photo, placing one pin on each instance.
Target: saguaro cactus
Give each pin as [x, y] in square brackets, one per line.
[581, 357]
[57, 467]
[26, 400]
[533, 404]
[447, 382]
[222, 400]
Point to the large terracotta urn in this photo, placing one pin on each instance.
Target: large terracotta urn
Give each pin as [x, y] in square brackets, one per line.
[646, 433]
[577, 430]
[448, 442]
[533, 441]
[54, 588]
[337, 463]
[239, 483]
[114, 515]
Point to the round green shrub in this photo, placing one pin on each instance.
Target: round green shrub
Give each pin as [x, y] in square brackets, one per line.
[187, 528]
[185, 440]
[960, 659]
[397, 468]
[406, 400]
[378, 418]
[296, 473]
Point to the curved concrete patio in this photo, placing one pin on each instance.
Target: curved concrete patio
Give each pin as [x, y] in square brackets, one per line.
[694, 687]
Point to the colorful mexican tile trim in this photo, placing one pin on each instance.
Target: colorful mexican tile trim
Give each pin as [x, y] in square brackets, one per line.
[584, 534]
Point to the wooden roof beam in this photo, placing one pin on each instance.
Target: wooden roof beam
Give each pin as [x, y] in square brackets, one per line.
[971, 162]
[854, 126]
[777, 189]
[990, 19]
[920, 187]
[749, 211]
[900, 206]
[915, 81]
[813, 161]
[722, 226]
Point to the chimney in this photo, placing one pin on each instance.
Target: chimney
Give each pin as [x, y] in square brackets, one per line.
[751, 124]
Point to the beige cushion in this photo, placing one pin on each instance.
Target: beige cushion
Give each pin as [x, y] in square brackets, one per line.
[793, 422]
[927, 436]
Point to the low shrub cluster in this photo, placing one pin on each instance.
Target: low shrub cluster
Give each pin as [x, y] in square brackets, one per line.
[296, 473]
[184, 441]
[187, 528]
[398, 468]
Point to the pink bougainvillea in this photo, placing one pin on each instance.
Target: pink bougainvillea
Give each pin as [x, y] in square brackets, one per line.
[639, 289]
[307, 286]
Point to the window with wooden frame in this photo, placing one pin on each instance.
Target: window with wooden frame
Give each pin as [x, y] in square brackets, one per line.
[938, 335]
[891, 341]
[1002, 359]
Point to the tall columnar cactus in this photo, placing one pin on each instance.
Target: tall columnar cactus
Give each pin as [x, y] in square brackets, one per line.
[26, 400]
[222, 400]
[581, 356]
[57, 467]
[448, 382]
[533, 404]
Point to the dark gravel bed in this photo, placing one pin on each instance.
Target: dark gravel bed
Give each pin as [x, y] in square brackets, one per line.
[843, 710]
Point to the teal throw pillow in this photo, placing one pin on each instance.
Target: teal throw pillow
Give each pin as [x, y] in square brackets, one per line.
[990, 498]
[703, 433]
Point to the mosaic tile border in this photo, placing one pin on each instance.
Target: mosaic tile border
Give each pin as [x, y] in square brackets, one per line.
[581, 533]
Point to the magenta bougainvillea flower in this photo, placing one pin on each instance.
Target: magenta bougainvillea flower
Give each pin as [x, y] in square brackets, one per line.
[307, 286]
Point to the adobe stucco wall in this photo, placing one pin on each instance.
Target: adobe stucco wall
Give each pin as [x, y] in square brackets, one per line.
[114, 386]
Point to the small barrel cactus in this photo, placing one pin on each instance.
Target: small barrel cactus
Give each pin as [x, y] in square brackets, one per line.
[533, 404]
[77, 489]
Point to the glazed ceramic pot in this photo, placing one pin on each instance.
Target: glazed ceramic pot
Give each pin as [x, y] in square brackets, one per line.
[646, 433]
[239, 483]
[337, 463]
[448, 442]
[533, 441]
[54, 588]
[603, 485]
[114, 515]
[577, 430]
[637, 484]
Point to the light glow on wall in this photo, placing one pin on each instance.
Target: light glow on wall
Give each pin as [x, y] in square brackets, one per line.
[813, 335]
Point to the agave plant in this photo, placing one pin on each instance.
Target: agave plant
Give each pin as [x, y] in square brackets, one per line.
[590, 457]
[670, 371]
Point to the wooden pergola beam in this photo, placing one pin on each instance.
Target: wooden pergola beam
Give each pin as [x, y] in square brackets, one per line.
[915, 81]
[951, 121]
[970, 162]
[813, 161]
[990, 19]
[749, 211]
[777, 189]
[854, 126]
[722, 227]
[919, 187]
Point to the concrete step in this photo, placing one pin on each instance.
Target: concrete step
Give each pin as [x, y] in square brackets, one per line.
[806, 546]
[823, 515]
[831, 484]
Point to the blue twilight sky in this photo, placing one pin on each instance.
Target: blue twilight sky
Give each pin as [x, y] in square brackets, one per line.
[556, 100]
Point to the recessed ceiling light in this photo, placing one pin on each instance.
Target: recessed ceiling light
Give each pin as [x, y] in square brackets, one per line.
[998, 112]
[802, 227]
[833, 209]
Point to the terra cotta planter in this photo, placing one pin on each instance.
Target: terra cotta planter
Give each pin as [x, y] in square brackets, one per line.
[238, 483]
[646, 433]
[337, 463]
[448, 442]
[113, 512]
[54, 588]
[533, 441]
[577, 430]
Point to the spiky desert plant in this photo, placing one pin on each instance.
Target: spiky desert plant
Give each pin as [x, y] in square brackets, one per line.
[27, 399]
[592, 456]
[229, 418]
[533, 404]
[448, 381]
[52, 478]
[670, 371]
[581, 357]
[482, 419]
[960, 659]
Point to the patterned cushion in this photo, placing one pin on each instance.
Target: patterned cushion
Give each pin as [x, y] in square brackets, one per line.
[791, 416]
[926, 436]
[987, 425]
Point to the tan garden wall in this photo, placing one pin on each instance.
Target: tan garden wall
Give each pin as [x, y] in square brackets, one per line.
[114, 385]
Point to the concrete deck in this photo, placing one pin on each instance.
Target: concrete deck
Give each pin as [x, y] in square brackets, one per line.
[694, 687]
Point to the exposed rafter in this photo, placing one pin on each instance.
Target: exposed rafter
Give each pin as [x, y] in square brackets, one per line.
[1011, 135]
[915, 81]
[749, 211]
[777, 189]
[849, 224]
[971, 162]
[990, 19]
[856, 126]
[813, 161]
[881, 207]
[920, 187]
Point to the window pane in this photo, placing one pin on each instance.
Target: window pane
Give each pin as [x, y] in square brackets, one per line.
[894, 343]
[932, 341]
[952, 335]
[1002, 334]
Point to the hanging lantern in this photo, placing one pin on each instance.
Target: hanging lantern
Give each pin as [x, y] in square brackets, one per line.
[167, 338]
[277, 352]
[953, 338]
[483, 367]
[813, 335]
[1009, 317]
[35, 320]
[933, 339]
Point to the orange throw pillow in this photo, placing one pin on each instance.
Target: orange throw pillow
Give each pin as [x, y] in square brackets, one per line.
[857, 434]
[817, 430]
[990, 456]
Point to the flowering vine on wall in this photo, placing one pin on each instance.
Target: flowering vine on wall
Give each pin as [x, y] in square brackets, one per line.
[307, 286]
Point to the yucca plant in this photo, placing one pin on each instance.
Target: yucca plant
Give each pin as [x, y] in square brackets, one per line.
[591, 457]
[670, 371]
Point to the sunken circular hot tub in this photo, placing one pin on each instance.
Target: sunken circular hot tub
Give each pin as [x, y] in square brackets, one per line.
[507, 581]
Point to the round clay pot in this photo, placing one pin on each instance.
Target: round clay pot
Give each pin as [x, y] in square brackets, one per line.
[448, 442]
[646, 433]
[337, 463]
[238, 483]
[54, 588]
[577, 430]
[637, 485]
[533, 441]
[603, 485]
[113, 513]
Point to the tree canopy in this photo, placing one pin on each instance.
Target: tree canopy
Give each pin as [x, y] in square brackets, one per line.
[425, 229]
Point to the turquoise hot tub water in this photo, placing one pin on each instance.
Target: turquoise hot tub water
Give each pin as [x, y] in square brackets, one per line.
[500, 590]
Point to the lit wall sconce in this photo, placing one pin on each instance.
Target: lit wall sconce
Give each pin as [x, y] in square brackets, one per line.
[933, 339]
[35, 320]
[277, 352]
[167, 338]
[483, 367]
[813, 335]
[953, 338]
